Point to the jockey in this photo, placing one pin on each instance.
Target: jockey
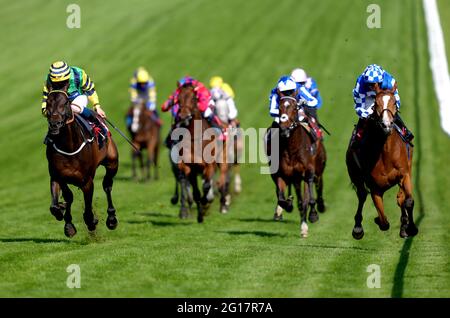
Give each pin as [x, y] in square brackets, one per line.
[364, 98]
[223, 91]
[142, 87]
[302, 79]
[287, 86]
[79, 88]
[203, 98]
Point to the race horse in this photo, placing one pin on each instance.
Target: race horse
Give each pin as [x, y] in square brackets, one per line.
[300, 158]
[234, 145]
[145, 134]
[73, 157]
[382, 161]
[192, 162]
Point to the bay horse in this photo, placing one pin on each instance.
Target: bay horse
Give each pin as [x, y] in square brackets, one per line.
[192, 162]
[300, 159]
[73, 158]
[234, 146]
[145, 134]
[382, 161]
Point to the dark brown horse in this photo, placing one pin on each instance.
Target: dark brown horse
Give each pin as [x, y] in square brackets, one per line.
[382, 161]
[300, 159]
[145, 134]
[192, 161]
[73, 158]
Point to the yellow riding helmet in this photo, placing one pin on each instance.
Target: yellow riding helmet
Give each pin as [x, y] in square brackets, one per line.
[216, 81]
[142, 75]
[228, 90]
[59, 71]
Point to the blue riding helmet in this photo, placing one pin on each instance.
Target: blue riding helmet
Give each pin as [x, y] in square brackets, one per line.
[373, 74]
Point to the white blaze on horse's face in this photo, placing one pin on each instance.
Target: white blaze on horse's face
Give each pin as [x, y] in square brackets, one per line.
[135, 123]
[284, 118]
[386, 120]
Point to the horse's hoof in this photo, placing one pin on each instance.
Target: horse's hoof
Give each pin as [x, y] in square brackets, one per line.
[286, 205]
[91, 227]
[69, 230]
[57, 213]
[174, 200]
[321, 206]
[111, 222]
[382, 226]
[200, 219]
[278, 217]
[313, 217]
[304, 230]
[224, 209]
[184, 213]
[403, 233]
[358, 233]
[228, 200]
[412, 230]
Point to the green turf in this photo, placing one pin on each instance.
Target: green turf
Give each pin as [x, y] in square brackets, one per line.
[243, 254]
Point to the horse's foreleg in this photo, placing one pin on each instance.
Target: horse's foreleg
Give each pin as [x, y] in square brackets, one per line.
[225, 198]
[408, 227]
[134, 155]
[155, 160]
[319, 189]
[69, 227]
[313, 215]
[142, 166]
[208, 194]
[112, 166]
[237, 179]
[358, 231]
[381, 219]
[184, 211]
[282, 202]
[88, 215]
[148, 162]
[197, 197]
[303, 224]
[56, 209]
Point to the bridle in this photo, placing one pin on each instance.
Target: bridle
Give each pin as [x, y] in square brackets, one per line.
[187, 119]
[56, 125]
[379, 116]
[295, 122]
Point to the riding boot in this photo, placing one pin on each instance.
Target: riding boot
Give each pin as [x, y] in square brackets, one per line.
[358, 133]
[155, 117]
[90, 115]
[311, 112]
[215, 123]
[129, 121]
[408, 135]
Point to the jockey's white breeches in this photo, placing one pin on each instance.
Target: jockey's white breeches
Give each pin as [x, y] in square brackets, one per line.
[79, 103]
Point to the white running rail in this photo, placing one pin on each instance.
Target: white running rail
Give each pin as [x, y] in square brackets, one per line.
[438, 61]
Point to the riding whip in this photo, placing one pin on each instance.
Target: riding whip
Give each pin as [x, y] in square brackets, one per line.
[122, 134]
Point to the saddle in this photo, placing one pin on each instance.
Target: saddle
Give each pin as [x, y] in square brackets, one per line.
[94, 130]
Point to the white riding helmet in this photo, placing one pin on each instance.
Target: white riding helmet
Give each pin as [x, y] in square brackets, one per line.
[286, 83]
[299, 75]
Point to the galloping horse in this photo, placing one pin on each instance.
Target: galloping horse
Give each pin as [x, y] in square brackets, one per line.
[300, 159]
[383, 161]
[73, 159]
[234, 147]
[145, 134]
[192, 162]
